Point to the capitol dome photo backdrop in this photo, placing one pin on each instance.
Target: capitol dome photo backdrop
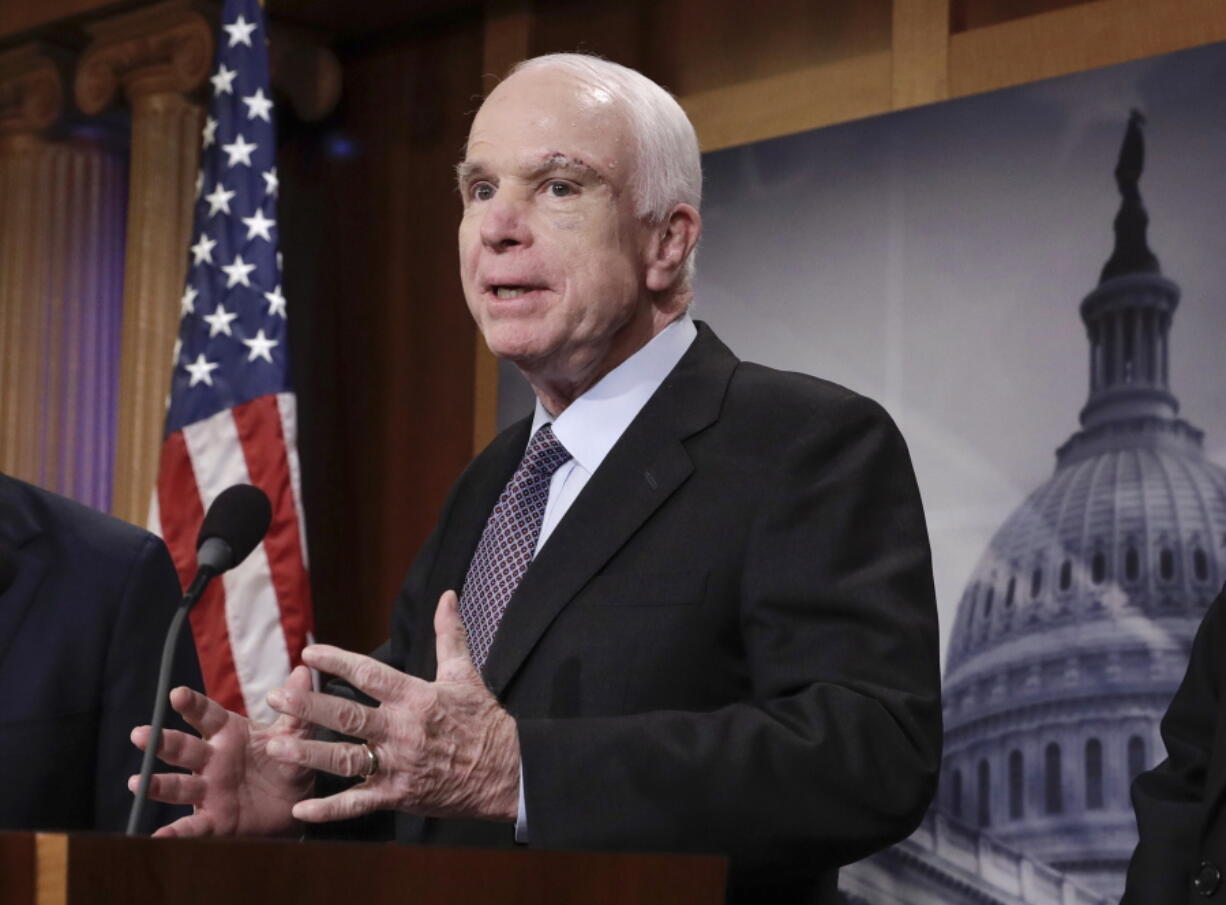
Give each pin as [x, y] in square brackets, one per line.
[1032, 283]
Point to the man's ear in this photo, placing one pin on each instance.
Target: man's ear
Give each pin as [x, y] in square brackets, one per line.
[671, 243]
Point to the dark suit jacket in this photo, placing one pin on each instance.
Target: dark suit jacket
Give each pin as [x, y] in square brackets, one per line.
[728, 644]
[81, 631]
[1179, 803]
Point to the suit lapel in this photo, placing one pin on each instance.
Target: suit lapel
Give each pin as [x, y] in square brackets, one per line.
[19, 531]
[642, 470]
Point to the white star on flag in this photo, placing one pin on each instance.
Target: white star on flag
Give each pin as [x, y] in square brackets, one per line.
[210, 132]
[223, 81]
[270, 181]
[203, 250]
[187, 304]
[219, 321]
[239, 151]
[260, 347]
[258, 225]
[236, 272]
[201, 370]
[219, 199]
[276, 302]
[240, 31]
[258, 106]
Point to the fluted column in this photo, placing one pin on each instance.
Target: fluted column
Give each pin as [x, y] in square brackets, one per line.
[61, 234]
[157, 56]
[31, 100]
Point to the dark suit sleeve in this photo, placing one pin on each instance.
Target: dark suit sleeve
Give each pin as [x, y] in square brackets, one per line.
[1169, 800]
[145, 608]
[835, 751]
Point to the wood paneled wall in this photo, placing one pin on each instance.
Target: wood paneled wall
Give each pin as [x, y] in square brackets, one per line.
[381, 339]
[394, 388]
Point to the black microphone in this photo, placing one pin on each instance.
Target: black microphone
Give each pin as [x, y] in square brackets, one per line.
[235, 523]
[8, 566]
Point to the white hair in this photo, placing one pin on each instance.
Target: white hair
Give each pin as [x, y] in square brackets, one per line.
[668, 168]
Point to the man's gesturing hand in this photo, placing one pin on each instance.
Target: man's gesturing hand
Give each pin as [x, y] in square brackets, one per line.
[237, 789]
[445, 748]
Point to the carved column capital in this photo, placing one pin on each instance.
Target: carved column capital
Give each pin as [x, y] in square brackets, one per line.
[165, 48]
[32, 83]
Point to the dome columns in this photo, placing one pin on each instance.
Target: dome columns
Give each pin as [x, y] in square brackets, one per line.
[1127, 322]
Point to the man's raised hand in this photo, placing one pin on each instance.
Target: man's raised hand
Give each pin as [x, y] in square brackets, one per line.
[236, 788]
[443, 748]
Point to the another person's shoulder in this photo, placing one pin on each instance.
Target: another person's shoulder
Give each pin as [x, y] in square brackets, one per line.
[70, 525]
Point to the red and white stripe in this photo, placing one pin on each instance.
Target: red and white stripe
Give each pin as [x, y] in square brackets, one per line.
[252, 624]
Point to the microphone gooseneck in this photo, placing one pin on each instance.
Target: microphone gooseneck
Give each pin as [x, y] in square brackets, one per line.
[235, 523]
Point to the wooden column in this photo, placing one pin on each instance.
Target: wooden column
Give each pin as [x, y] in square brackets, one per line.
[31, 100]
[157, 56]
[61, 234]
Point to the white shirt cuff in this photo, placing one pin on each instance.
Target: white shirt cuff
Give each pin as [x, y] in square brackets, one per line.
[521, 816]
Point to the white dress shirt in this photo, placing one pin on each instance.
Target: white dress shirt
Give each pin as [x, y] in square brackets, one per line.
[591, 424]
[589, 427]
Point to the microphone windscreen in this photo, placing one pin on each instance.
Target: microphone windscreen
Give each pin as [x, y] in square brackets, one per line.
[239, 516]
[8, 566]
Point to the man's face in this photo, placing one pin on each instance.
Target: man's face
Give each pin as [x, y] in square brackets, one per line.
[552, 256]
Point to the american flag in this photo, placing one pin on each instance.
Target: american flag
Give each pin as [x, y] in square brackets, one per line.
[231, 414]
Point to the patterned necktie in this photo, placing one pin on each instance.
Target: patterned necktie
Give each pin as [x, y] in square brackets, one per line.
[508, 542]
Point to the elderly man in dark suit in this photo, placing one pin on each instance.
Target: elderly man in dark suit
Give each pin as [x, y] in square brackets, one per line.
[686, 605]
[85, 605]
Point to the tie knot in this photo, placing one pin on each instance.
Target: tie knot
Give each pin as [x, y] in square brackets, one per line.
[545, 453]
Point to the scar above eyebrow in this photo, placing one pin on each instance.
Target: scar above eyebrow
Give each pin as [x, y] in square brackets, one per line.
[468, 171]
[562, 163]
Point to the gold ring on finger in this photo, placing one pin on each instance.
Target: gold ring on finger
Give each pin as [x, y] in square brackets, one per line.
[372, 761]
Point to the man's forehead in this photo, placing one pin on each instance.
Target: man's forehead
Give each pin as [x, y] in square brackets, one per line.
[551, 87]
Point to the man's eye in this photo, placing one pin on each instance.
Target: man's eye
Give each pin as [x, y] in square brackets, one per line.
[482, 191]
[560, 189]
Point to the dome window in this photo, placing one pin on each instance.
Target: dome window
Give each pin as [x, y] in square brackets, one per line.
[1200, 565]
[1166, 564]
[1036, 581]
[1016, 810]
[987, 603]
[1066, 575]
[1009, 591]
[1136, 757]
[1094, 775]
[1053, 785]
[1132, 564]
[985, 793]
[1098, 567]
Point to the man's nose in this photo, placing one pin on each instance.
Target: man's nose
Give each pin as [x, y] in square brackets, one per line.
[505, 223]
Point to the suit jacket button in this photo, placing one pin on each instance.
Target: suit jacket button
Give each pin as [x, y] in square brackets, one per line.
[1208, 878]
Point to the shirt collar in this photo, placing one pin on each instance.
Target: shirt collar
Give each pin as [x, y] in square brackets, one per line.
[591, 424]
